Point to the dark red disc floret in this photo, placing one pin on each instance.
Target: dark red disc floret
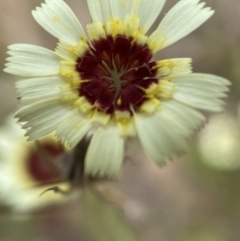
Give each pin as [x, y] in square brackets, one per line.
[118, 70]
[37, 165]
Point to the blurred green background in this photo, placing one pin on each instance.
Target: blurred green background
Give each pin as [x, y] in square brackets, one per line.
[194, 198]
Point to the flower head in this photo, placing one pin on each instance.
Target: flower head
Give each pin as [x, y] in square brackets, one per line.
[24, 171]
[107, 79]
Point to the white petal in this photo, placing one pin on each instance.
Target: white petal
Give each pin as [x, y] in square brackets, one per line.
[205, 79]
[42, 117]
[30, 60]
[37, 89]
[185, 115]
[28, 199]
[121, 8]
[105, 153]
[73, 129]
[172, 68]
[199, 102]
[59, 20]
[100, 10]
[163, 134]
[193, 90]
[147, 12]
[159, 136]
[182, 19]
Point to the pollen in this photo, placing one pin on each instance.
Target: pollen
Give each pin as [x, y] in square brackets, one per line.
[56, 18]
[115, 27]
[119, 101]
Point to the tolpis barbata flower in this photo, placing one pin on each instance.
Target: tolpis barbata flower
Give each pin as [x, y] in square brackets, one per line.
[24, 173]
[106, 79]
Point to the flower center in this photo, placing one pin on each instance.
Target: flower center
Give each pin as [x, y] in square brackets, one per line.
[37, 167]
[117, 71]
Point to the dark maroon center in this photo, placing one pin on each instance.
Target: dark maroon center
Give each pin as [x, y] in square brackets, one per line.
[40, 168]
[118, 70]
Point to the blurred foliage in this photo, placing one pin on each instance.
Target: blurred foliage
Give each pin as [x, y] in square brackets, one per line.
[102, 221]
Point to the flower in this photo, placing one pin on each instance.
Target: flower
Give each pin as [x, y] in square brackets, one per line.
[24, 173]
[107, 80]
